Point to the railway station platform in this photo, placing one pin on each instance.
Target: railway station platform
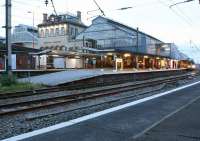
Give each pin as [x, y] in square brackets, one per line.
[168, 116]
[63, 77]
[183, 126]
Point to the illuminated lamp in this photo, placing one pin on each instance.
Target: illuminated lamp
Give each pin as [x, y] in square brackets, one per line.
[127, 55]
[55, 55]
[77, 57]
[109, 54]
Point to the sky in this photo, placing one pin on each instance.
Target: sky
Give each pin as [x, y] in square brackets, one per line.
[179, 24]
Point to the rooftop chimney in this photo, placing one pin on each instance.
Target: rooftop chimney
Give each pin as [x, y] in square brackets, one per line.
[79, 15]
[45, 17]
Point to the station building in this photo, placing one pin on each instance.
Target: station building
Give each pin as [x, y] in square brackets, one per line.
[104, 44]
[119, 45]
[57, 35]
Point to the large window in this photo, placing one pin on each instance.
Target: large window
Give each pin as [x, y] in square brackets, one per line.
[72, 31]
[76, 31]
[46, 32]
[62, 31]
[57, 32]
[52, 32]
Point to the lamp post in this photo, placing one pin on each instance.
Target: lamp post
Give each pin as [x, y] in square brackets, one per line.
[33, 45]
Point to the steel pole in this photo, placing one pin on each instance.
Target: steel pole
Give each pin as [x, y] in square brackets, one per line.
[137, 48]
[8, 39]
[33, 29]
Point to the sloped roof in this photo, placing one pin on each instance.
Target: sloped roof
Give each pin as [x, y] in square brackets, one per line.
[20, 49]
[126, 26]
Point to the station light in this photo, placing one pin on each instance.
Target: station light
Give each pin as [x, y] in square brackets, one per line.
[127, 55]
[77, 57]
[194, 66]
[146, 56]
[55, 55]
[109, 54]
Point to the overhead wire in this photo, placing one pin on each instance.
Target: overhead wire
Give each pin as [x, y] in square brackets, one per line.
[185, 18]
[176, 13]
[180, 14]
[54, 8]
[183, 13]
[190, 21]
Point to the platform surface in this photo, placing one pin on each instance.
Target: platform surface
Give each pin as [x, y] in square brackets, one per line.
[53, 79]
[57, 78]
[183, 126]
[125, 124]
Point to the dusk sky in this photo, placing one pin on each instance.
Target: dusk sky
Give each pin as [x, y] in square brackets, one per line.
[179, 25]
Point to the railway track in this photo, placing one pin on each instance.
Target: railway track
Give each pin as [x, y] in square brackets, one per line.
[18, 94]
[27, 106]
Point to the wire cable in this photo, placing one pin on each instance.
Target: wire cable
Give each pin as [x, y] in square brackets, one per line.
[54, 7]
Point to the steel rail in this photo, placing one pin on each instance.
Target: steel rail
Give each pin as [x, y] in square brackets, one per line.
[32, 117]
[94, 91]
[15, 108]
[40, 91]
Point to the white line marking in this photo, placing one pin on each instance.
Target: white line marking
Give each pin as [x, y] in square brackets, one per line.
[91, 116]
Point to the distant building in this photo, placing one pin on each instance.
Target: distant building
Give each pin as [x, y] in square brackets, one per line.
[56, 32]
[25, 35]
[2, 40]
